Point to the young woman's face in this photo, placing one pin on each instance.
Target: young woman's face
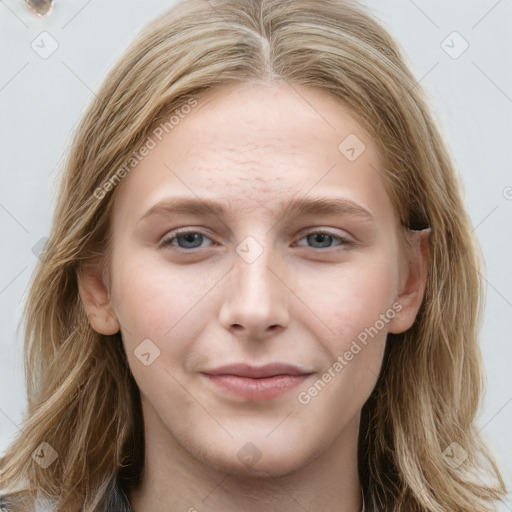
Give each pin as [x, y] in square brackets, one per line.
[256, 338]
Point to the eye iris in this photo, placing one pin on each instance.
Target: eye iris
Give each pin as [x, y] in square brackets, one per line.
[184, 240]
[190, 238]
[324, 237]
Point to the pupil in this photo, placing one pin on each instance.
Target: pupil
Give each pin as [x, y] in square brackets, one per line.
[319, 237]
[190, 237]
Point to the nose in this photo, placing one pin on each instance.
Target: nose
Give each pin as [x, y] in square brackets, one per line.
[256, 295]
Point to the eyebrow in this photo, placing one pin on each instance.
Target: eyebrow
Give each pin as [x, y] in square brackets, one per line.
[291, 209]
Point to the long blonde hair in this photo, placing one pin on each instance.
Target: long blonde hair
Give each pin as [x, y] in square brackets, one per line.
[82, 399]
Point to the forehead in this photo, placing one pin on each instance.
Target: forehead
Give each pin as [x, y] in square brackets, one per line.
[256, 146]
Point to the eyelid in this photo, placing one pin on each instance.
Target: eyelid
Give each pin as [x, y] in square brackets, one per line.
[166, 240]
[344, 240]
[347, 238]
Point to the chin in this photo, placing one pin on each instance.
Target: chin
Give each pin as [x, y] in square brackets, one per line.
[268, 461]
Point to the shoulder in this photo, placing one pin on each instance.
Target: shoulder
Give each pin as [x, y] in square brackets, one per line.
[114, 499]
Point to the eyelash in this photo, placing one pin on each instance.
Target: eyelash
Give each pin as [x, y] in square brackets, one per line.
[185, 231]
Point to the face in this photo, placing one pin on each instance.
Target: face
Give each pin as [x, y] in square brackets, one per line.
[256, 271]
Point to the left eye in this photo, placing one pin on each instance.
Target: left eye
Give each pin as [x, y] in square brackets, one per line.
[323, 238]
[193, 239]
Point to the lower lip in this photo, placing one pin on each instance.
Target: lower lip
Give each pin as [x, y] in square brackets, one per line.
[257, 389]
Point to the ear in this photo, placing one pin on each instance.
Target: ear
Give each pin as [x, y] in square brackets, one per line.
[413, 280]
[96, 299]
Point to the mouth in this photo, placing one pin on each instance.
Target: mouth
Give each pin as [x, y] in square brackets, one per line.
[257, 383]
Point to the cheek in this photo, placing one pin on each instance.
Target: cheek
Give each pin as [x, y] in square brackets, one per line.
[350, 299]
[167, 306]
[171, 304]
[170, 309]
[358, 312]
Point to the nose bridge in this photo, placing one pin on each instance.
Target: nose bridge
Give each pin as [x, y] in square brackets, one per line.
[255, 267]
[256, 298]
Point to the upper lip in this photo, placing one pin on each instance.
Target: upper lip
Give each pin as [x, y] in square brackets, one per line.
[257, 372]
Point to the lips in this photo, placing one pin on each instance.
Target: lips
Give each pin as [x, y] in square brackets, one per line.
[258, 372]
[256, 382]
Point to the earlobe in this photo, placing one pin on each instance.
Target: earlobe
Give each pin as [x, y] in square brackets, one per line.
[413, 281]
[96, 300]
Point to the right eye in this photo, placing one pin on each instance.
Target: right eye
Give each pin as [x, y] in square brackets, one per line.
[186, 239]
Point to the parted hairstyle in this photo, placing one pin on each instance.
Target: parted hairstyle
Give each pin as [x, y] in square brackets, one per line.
[82, 398]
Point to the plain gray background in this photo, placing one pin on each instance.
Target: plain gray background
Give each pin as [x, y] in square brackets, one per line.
[43, 96]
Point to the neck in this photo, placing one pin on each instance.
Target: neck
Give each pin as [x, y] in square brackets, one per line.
[174, 480]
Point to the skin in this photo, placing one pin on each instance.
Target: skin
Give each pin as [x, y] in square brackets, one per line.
[303, 300]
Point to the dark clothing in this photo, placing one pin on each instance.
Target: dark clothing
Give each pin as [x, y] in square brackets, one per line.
[115, 500]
